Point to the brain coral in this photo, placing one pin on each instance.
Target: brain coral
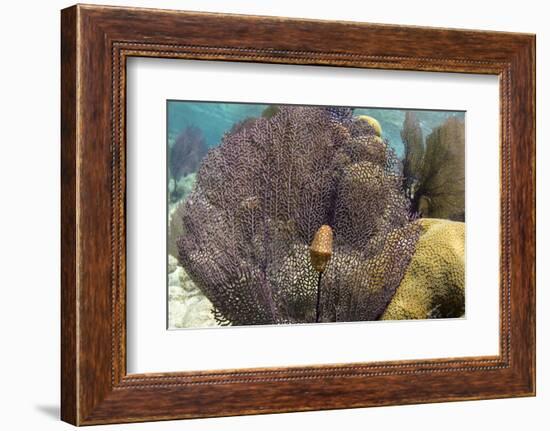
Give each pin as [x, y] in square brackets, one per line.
[433, 285]
[264, 192]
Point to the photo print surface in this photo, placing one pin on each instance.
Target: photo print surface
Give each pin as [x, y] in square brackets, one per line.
[291, 214]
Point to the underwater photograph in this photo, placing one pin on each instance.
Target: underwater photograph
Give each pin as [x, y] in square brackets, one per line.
[298, 214]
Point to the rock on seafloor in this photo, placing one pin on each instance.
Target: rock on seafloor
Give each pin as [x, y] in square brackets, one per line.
[433, 285]
[188, 307]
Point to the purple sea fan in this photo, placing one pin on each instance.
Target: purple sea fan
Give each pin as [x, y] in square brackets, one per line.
[261, 196]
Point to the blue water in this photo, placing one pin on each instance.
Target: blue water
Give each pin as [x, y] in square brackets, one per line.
[214, 119]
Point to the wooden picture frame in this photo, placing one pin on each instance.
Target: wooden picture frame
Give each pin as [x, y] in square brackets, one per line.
[95, 43]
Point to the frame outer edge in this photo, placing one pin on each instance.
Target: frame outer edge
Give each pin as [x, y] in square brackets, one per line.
[523, 217]
[530, 81]
[533, 56]
[69, 197]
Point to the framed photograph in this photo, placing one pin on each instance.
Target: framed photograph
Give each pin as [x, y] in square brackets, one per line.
[263, 214]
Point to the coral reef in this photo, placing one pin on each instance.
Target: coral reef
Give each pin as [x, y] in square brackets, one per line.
[434, 173]
[182, 187]
[185, 156]
[188, 306]
[185, 185]
[175, 228]
[433, 285]
[270, 111]
[412, 138]
[261, 196]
